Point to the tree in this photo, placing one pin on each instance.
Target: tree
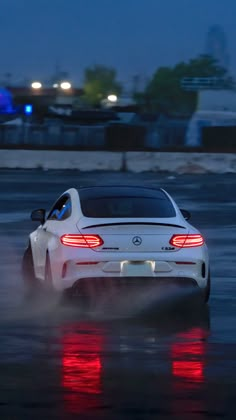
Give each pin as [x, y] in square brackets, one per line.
[164, 92]
[99, 82]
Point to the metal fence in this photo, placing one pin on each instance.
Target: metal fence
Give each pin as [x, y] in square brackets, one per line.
[99, 137]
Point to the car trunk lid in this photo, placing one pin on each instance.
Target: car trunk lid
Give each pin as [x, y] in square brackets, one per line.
[133, 236]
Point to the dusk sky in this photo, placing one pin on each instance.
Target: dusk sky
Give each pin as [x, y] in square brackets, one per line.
[134, 36]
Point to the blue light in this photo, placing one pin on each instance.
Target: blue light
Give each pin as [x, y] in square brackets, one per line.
[28, 109]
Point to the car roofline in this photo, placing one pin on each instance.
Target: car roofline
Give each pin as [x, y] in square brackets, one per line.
[121, 186]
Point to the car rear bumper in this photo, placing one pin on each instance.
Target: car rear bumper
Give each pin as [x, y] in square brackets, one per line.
[99, 285]
[179, 275]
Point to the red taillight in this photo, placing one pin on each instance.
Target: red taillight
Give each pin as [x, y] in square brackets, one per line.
[81, 241]
[187, 241]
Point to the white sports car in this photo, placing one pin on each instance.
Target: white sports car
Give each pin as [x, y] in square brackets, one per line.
[126, 235]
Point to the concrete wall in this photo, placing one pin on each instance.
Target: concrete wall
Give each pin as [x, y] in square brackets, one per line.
[172, 162]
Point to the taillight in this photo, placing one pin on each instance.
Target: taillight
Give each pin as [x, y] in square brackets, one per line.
[187, 241]
[81, 241]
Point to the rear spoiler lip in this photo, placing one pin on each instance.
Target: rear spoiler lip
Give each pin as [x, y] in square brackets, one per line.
[134, 223]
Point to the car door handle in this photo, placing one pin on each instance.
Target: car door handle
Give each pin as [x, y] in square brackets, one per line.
[45, 229]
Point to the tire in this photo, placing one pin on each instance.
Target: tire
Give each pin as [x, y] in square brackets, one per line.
[30, 281]
[80, 297]
[207, 290]
[48, 275]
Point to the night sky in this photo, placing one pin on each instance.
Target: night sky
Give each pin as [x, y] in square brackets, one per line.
[134, 36]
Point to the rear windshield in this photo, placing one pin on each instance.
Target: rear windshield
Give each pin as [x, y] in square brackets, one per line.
[125, 203]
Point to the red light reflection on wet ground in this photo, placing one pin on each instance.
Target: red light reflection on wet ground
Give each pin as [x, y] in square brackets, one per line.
[82, 369]
[188, 370]
[188, 377]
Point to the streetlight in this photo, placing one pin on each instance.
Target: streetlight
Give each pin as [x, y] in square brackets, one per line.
[36, 85]
[65, 85]
[112, 98]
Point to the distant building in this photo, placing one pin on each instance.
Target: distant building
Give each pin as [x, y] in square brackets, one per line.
[215, 109]
[45, 96]
[5, 101]
[216, 45]
[217, 100]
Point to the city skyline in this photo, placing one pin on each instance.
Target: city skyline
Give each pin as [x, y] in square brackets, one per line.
[135, 37]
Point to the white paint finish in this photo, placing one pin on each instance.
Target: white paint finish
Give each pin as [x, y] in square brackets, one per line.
[150, 260]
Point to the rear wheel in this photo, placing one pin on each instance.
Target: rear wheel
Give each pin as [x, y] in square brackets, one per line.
[78, 295]
[30, 281]
[48, 275]
[207, 290]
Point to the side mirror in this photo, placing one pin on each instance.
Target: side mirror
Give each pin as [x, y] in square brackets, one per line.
[186, 214]
[38, 215]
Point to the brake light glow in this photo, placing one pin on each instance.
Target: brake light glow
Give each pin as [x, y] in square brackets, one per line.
[187, 241]
[81, 241]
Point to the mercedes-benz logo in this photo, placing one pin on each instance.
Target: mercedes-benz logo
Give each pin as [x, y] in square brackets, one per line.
[137, 240]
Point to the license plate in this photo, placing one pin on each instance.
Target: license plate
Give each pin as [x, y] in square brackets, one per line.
[137, 269]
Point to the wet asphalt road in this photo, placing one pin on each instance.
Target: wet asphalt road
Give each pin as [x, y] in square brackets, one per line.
[177, 361]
